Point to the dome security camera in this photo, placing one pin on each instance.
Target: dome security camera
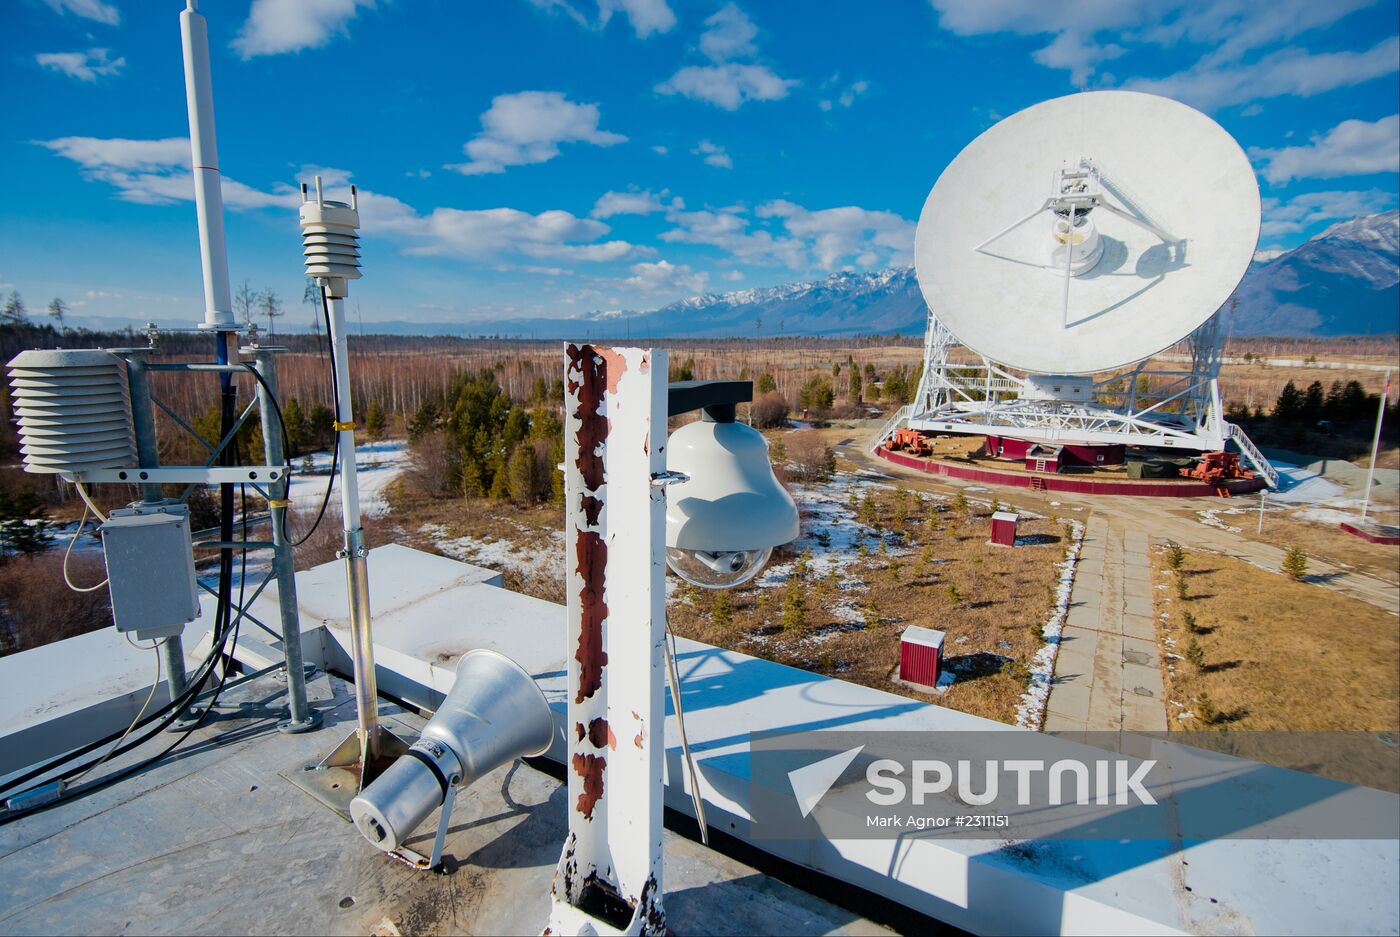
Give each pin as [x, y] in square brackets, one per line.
[724, 521]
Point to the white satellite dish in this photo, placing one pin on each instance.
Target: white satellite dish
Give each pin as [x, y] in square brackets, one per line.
[1165, 213]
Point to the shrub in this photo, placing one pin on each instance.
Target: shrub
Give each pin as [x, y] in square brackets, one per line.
[955, 596]
[1181, 585]
[721, 612]
[1196, 654]
[375, 421]
[1295, 563]
[816, 394]
[1206, 712]
[769, 411]
[435, 469]
[811, 460]
[794, 606]
[1176, 557]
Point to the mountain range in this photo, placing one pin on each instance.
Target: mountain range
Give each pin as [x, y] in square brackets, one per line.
[1341, 282]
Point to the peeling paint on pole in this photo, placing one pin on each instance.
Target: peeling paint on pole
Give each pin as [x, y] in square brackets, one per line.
[610, 870]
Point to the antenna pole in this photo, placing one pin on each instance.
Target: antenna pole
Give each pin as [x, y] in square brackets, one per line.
[1375, 445]
[204, 166]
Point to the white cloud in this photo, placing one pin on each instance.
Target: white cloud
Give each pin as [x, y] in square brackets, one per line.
[729, 232]
[646, 16]
[482, 234]
[837, 234]
[84, 66]
[1088, 32]
[277, 26]
[632, 202]
[1292, 215]
[524, 128]
[729, 34]
[800, 239]
[714, 154]
[88, 9]
[847, 97]
[156, 172]
[1352, 148]
[1294, 72]
[733, 275]
[660, 150]
[118, 153]
[663, 276]
[728, 85]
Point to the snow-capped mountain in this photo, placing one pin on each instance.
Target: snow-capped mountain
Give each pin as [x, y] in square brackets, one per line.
[1342, 282]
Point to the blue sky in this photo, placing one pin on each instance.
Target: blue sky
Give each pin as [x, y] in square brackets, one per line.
[553, 157]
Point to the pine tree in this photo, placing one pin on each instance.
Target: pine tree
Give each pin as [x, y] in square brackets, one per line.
[1206, 713]
[721, 612]
[294, 419]
[955, 595]
[1295, 563]
[523, 475]
[766, 383]
[58, 309]
[1195, 654]
[374, 420]
[794, 607]
[1176, 557]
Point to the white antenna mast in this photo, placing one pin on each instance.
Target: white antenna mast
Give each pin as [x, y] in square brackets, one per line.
[204, 166]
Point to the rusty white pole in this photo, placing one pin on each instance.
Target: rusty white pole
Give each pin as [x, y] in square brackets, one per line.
[615, 438]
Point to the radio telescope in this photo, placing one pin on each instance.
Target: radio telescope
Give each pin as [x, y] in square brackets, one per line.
[1065, 247]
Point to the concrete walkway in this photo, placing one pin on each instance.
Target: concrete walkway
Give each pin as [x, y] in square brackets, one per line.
[1108, 674]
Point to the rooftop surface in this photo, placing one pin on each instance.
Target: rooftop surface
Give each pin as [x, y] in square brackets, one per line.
[216, 841]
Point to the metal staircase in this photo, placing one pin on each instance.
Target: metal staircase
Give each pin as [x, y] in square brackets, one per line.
[900, 415]
[1253, 455]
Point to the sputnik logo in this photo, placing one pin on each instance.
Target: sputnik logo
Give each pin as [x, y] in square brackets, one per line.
[810, 783]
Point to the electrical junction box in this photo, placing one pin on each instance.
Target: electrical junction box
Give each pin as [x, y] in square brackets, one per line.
[150, 569]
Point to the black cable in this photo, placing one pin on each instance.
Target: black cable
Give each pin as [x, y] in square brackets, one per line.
[335, 444]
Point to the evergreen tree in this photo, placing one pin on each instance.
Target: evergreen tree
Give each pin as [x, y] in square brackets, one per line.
[1289, 406]
[766, 384]
[854, 386]
[1313, 403]
[294, 419]
[58, 309]
[374, 420]
[23, 528]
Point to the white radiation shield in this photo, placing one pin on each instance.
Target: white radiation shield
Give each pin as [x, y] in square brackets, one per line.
[1088, 232]
[493, 714]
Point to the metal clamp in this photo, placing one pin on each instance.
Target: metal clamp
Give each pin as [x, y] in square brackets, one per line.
[416, 860]
[662, 479]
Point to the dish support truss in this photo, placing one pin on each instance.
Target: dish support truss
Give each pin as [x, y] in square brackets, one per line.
[1143, 406]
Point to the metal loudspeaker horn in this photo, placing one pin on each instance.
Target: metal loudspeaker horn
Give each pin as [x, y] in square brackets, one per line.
[493, 714]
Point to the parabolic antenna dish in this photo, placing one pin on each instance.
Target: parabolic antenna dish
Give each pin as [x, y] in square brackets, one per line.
[1088, 232]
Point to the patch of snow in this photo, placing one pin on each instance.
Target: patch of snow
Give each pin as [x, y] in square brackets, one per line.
[1030, 713]
[546, 560]
[1299, 485]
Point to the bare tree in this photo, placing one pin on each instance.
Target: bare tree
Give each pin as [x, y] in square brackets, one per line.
[57, 309]
[311, 296]
[14, 309]
[272, 308]
[245, 301]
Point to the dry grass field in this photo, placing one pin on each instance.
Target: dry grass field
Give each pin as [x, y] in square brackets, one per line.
[1274, 654]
